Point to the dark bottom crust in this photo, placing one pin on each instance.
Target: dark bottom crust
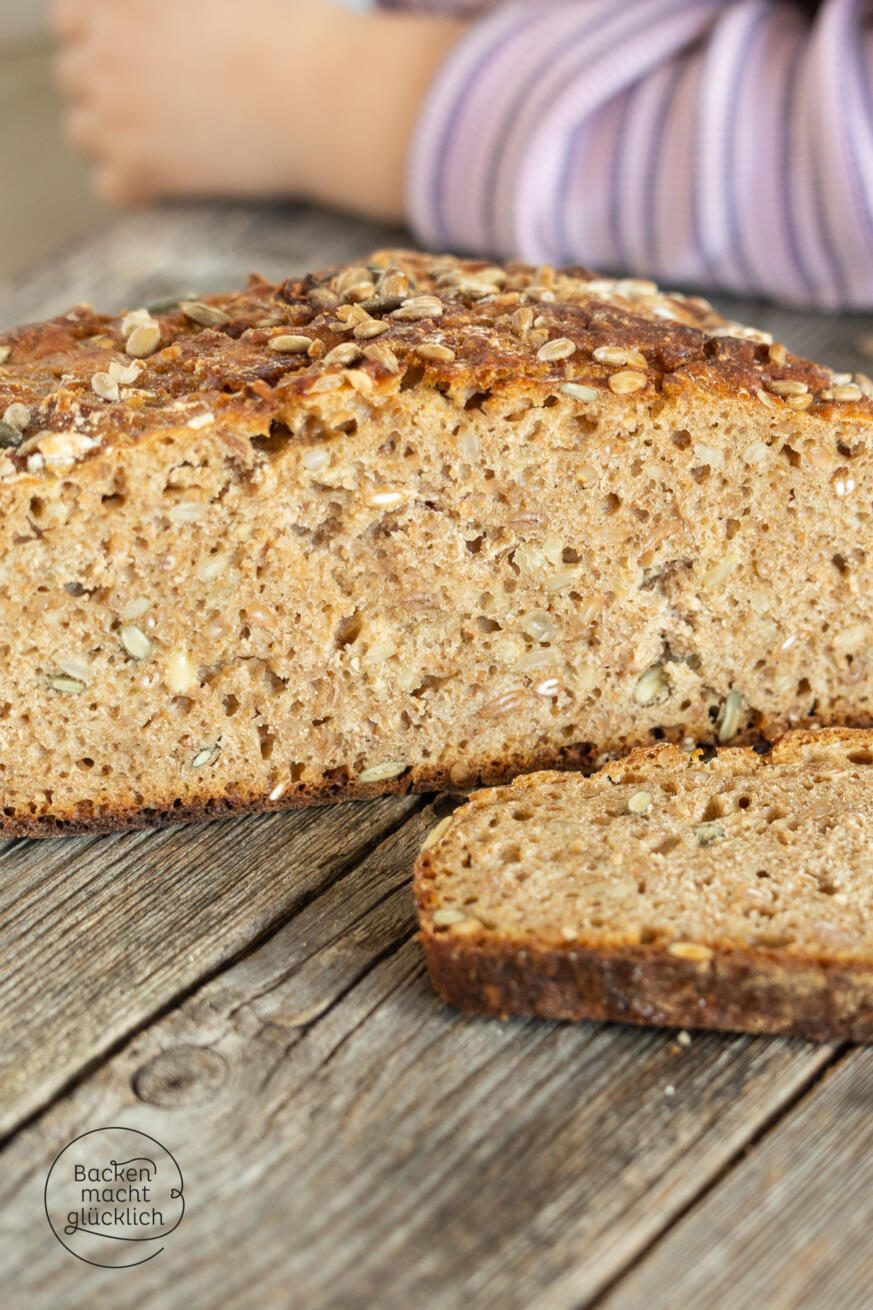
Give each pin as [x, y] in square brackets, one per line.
[84, 818]
[736, 991]
[87, 819]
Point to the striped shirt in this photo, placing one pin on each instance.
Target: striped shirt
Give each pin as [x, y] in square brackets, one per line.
[718, 143]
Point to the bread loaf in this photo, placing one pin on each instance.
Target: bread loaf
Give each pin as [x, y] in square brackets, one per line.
[735, 893]
[412, 524]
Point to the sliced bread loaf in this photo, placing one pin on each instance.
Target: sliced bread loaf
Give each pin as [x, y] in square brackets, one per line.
[416, 523]
[734, 892]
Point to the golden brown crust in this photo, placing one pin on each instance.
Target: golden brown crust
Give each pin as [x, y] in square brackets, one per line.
[822, 995]
[448, 323]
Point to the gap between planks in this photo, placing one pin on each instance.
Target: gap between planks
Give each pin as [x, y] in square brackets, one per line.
[389, 1145]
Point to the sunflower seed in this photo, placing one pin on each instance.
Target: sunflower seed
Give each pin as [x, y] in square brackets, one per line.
[419, 307]
[560, 348]
[17, 416]
[788, 387]
[135, 642]
[374, 328]
[143, 341]
[202, 314]
[849, 391]
[5, 352]
[124, 374]
[289, 344]
[694, 951]
[442, 353]
[207, 755]
[384, 355]
[653, 687]
[576, 391]
[167, 305]
[627, 381]
[345, 353]
[640, 802]
[731, 716]
[445, 916]
[104, 386]
[134, 319]
[382, 772]
[67, 685]
[436, 834]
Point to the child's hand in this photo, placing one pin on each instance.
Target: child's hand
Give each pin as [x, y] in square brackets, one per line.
[270, 98]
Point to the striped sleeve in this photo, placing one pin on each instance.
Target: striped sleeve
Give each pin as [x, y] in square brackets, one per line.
[719, 143]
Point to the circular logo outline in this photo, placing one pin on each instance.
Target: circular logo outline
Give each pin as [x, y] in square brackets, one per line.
[175, 1193]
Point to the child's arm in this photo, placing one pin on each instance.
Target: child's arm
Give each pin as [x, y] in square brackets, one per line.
[720, 144]
[366, 77]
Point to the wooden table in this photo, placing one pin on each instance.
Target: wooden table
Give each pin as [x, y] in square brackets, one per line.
[251, 994]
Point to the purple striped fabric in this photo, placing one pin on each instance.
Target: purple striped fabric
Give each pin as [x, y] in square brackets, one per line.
[722, 143]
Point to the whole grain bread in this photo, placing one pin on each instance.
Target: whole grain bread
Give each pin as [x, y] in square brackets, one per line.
[732, 893]
[417, 523]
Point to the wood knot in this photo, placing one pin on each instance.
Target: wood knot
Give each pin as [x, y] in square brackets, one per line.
[185, 1075]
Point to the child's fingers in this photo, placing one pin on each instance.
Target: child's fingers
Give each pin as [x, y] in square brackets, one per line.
[83, 130]
[68, 18]
[71, 73]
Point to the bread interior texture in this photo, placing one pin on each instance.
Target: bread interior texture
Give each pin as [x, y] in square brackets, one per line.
[663, 850]
[441, 590]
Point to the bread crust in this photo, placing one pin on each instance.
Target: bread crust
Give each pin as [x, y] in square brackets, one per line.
[819, 996]
[228, 367]
[822, 1000]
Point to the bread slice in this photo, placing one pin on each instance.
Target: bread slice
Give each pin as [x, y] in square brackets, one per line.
[734, 892]
[416, 523]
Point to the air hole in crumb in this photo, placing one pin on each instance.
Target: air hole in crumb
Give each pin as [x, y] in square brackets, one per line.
[714, 810]
[475, 545]
[511, 854]
[267, 739]
[231, 705]
[666, 846]
[611, 503]
[744, 802]
[477, 400]
[274, 443]
[682, 439]
[522, 815]
[860, 757]
[348, 630]
[487, 625]
[412, 377]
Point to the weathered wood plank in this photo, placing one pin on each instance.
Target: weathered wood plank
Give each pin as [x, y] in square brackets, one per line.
[183, 248]
[98, 934]
[347, 1140]
[790, 1227]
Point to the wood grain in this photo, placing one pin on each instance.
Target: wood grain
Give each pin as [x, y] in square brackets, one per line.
[98, 934]
[187, 248]
[791, 1228]
[345, 1137]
